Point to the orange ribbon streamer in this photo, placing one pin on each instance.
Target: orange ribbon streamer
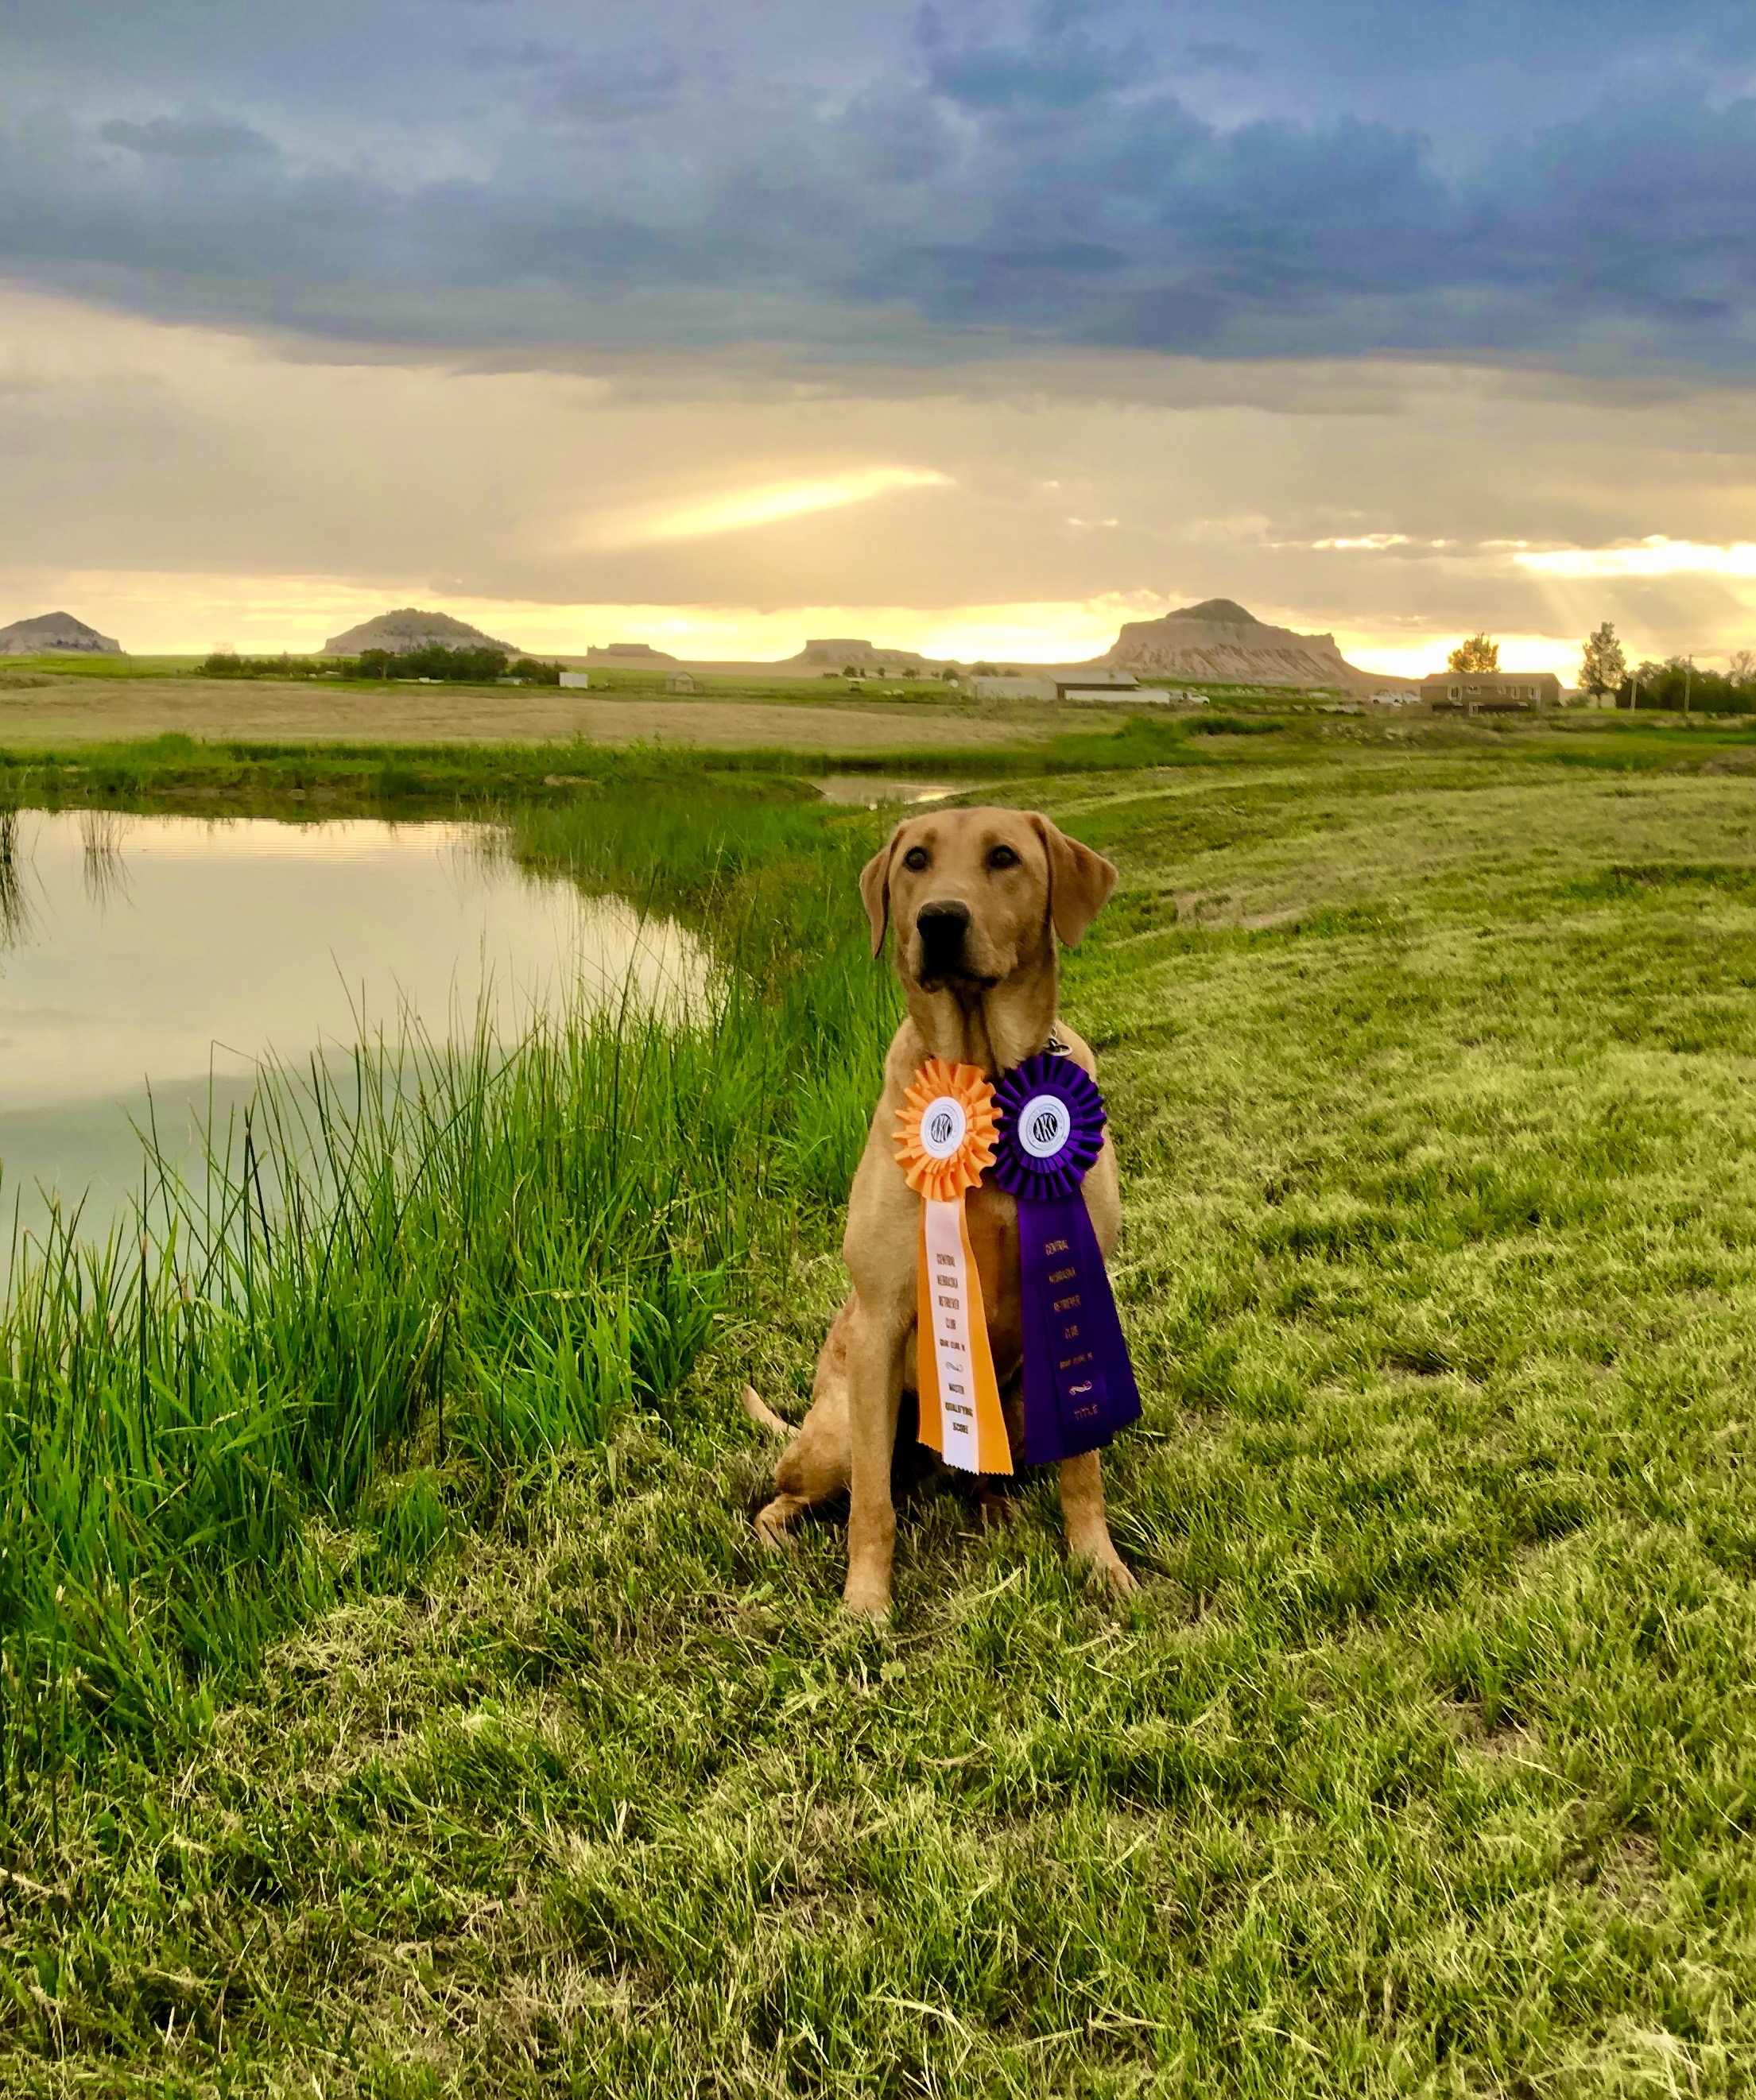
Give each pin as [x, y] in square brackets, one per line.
[945, 1140]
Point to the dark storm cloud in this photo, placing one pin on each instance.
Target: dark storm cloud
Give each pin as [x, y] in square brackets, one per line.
[1058, 65]
[1258, 177]
[1223, 57]
[181, 138]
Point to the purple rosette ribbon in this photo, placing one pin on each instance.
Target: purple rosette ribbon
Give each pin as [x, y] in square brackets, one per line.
[1079, 1384]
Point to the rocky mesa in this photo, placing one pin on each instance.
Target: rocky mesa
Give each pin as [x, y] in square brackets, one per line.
[409, 627]
[55, 634]
[1218, 640]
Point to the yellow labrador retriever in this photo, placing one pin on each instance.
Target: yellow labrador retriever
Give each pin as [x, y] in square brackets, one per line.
[977, 899]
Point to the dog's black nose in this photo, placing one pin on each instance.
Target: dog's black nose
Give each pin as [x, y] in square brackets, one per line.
[942, 927]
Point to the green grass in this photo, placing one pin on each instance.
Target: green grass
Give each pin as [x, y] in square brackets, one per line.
[490, 1252]
[178, 772]
[1423, 1763]
[100, 666]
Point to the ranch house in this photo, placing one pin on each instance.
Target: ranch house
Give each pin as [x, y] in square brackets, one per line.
[1491, 692]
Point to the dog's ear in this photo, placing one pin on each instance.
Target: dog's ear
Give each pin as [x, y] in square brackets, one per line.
[875, 889]
[1079, 882]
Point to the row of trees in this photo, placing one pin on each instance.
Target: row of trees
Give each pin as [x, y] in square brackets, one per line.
[1678, 682]
[917, 672]
[228, 663]
[463, 666]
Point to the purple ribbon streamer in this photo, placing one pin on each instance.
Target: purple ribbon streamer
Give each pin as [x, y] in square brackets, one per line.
[1078, 1383]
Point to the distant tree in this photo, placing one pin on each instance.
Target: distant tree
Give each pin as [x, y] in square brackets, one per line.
[1741, 670]
[1679, 685]
[1681, 672]
[1476, 654]
[534, 673]
[1603, 668]
[227, 663]
[850, 670]
[469, 666]
[983, 671]
[1642, 681]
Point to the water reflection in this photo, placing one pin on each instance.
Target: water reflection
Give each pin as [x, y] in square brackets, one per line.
[174, 954]
[872, 790]
[14, 898]
[101, 833]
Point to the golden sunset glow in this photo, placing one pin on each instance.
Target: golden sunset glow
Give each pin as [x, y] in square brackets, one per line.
[1655, 556]
[772, 503]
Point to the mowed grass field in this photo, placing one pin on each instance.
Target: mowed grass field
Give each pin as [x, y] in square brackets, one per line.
[1424, 1763]
[61, 711]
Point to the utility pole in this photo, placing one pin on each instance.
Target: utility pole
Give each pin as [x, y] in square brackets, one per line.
[1689, 680]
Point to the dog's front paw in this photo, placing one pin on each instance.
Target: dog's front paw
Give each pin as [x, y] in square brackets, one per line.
[866, 1594]
[773, 1521]
[1110, 1571]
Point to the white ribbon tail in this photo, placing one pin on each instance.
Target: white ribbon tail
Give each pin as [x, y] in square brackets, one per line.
[950, 1300]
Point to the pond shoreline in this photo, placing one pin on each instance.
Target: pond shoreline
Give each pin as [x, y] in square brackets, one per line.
[311, 936]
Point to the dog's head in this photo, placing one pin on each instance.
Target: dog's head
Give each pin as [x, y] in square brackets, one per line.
[976, 895]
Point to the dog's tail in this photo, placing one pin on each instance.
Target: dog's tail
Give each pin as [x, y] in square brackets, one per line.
[763, 1415]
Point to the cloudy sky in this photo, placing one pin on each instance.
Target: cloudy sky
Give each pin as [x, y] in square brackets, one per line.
[972, 327]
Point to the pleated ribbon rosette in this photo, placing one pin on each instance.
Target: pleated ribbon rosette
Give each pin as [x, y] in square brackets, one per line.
[1079, 1384]
[944, 1143]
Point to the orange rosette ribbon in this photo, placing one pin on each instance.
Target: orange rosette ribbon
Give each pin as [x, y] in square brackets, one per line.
[945, 1135]
[946, 1129]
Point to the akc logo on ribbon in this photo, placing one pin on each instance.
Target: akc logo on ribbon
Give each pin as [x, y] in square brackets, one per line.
[1079, 1384]
[945, 1136]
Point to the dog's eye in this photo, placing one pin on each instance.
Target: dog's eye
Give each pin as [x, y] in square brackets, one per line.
[915, 858]
[1002, 856]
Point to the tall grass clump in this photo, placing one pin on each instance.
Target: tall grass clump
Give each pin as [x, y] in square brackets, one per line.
[474, 1255]
[772, 887]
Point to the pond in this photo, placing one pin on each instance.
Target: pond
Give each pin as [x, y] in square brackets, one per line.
[147, 965]
[872, 791]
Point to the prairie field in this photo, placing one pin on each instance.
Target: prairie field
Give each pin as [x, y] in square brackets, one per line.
[57, 711]
[396, 1702]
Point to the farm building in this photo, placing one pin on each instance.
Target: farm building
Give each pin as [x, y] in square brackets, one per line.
[575, 678]
[1098, 686]
[1014, 688]
[680, 681]
[1491, 692]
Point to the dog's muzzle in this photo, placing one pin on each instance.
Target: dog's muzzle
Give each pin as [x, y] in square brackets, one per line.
[943, 928]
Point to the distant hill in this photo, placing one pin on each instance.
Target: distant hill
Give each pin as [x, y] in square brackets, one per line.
[631, 653]
[409, 627]
[55, 634]
[1218, 640]
[831, 655]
